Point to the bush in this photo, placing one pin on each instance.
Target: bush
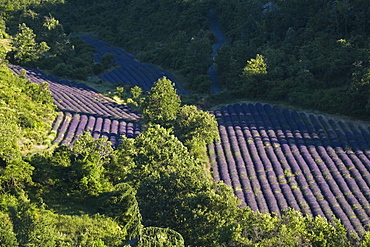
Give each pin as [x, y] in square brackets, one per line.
[63, 69]
[7, 235]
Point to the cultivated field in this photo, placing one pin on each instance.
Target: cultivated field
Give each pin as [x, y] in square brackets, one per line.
[273, 158]
[83, 109]
[128, 69]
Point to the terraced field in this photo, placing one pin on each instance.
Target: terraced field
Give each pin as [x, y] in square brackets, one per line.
[275, 158]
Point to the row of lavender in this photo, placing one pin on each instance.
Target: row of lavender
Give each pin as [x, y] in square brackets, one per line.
[78, 97]
[272, 158]
[82, 109]
[130, 71]
[68, 126]
[275, 159]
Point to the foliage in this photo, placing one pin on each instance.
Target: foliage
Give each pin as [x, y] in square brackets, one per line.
[87, 174]
[15, 174]
[194, 123]
[180, 39]
[26, 114]
[25, 49]
[255, 66]
[120, 92]
[196, 129]
[10, 134]
[136, 93]
[107, 60]
[121, 205]
[7, 235]
[80, 171]
[43, 42]
[291, 229]
[307, 53]
[155, 236]
[304, 53]
[305, 48]
[36, 226]
[33, 225]
[174, 190]
[84, 230]
[162, 103]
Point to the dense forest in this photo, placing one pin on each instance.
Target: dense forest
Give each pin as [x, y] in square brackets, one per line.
[157, 189]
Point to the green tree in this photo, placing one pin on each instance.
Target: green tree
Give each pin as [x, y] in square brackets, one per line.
[9, 134]
[15, 174]
[136, 93]
[160, 237]
[107, 60]
[194, 123]
[85, 230]
[121, 205]
[80, 170]
[51, 23]
[255, 66]
[25, 48]
[365, 241]
[162, 103]
[175, 191]
[33, 225]
[120, 93]
[196, 128]
[254, 75]
[291, 229]
[88, 167]
[7, 235]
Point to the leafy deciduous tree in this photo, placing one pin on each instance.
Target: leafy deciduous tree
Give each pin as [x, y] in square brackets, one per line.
[162, 103]
[25, 48]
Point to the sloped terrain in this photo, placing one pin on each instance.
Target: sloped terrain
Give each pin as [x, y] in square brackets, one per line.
[81, 109]
[274, 158]
[129, 70]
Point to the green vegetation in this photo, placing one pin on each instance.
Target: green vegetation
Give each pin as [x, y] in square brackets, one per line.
[151, 190]
[26, 115]
[311, 54]
[156, 190]
[314, 51]
[162, 104]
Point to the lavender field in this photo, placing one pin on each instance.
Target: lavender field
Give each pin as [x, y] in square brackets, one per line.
[81, 109]
[129, 70]
[273, 158]
[276, 159]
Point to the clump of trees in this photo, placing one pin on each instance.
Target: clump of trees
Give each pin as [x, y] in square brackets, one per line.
[38, 39]
[26, 115]
[151, 190]
[154, 190]
[314, 55]
[193, 127]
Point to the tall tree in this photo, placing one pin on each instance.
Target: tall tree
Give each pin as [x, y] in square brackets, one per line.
[7, 235]
[193, 123]
[196, 128]
[25, 48]
[174, 190]
[162, 103]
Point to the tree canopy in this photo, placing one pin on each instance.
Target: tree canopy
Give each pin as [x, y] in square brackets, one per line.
[156, 189]
[162, 103]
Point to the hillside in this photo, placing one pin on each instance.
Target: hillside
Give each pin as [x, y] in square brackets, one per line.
[139, 166]
[312, 55]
